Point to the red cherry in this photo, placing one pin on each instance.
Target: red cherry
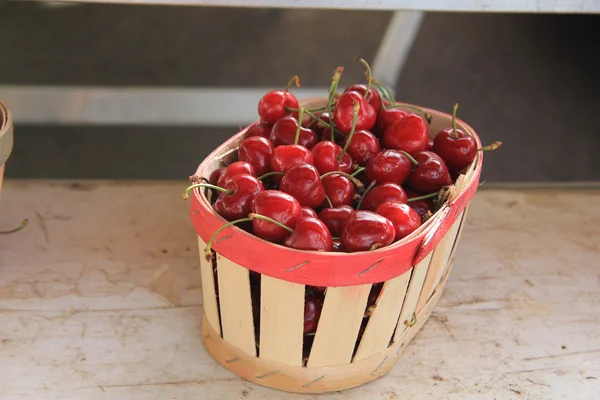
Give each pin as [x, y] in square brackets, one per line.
[272, 106]
[279, 206]
[316, 125]
[382, 193]
[457, 151]
[284, 133]
[310, 234]
[233, 169]
[260, 129]
[236, 204]
[339, 189]
[374, 98]
[388, 166]
[313, 304]
[363, 146]
[257, 151]
[409, 133]
[430, 175]
[334, 218]
[326, 158]
[343, 114]
[285, 157]
[405, 219]
[213, 179]
[304, 183]
[429, 145]
[420, 206]
[308, 212]
[365, 230]
[386, 117]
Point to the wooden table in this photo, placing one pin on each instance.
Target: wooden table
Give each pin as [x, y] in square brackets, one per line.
[100, 299]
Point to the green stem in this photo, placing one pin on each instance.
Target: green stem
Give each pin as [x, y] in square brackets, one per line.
[335, 80]
[385, 91]
[410, 158]
[425, 196]
[313, 116]
[427, 116]
[362, 198]
[358, 171]
[375, 246]
[18, 228]
[369, 75]
[329, 201]
[291, 81]
[258, 216]
[186, 194]
[291, 109]
[356, 182]
[491, 147]
[300, 116]
[208, 248]
[454, 120]
[260, 178]
[354, 121]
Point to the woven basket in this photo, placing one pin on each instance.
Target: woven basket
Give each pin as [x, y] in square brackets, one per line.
[344, 353]
[6, 139]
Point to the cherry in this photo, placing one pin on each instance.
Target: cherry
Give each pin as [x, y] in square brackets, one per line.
[339, 190]
[421, 206]
[304, 183]
[430, 175]
[409, 133]
[344, 112]
[365, 230]
[389, 166]
[236, 204]
[278, 206]
[213, 179]
[382, 193]
[259, 129]
[233, 169]
[454, 146]
[284, 133]
[372, 97]
[318, 125]
[272, 106]
[285, 157]
[257, 151]
[405, 219]
[386, 117]
[334, 218]
[310, 234]
[308, 212]
[429, 145]
[326, 158]
[313, 304]
[363, 146]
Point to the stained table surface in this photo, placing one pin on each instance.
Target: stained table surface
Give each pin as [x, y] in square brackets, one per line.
[100, 298]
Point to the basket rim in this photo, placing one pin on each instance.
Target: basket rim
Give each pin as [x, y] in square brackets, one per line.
[6, 133]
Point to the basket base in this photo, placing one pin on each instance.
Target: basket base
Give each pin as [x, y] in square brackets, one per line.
[312, 380]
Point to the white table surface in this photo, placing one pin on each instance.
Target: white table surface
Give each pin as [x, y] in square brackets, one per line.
[100, 299]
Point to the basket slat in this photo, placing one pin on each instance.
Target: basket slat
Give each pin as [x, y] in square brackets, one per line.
[209, 295]
[383, 321]
[1, 178]
[281, 321]
[412, 295]
[342, 314]
[236, 305]
[439, 263]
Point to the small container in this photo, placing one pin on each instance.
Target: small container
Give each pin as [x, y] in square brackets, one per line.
[254, 292]
[6, 139]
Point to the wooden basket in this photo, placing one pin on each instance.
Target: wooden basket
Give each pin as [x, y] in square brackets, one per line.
[6, 139]
[348, 348]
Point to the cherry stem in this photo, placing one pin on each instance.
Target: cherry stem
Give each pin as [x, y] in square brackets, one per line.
[375, 246]
[313, 116]
[300, 116]
[258, 216]
[358, 171]
[335, 80]
[411, 158]
[186, 194]
[306, 110]
[425, 196]
[295, 79]
[385, 91]
[329, 203]
[454, 120]
[427, 116]
[373, 183]
[354, 121]
[207, 249]
[356, 182]
[18, 228]
[260, 178]
[491, 147]
[369, 75]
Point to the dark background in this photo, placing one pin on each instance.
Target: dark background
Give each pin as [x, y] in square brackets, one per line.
[530, 81]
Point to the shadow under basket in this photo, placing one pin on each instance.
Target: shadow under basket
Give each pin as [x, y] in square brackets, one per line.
[254, 292]
[6, 140]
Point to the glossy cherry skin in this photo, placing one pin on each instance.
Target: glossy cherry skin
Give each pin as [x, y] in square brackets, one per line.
[405, 219]
[457, 153]
[260, 129]
[382, 193]
[420, 206]
[388, 166]
[310, 234]
[363, 146]
[285, 157]
[409, 133]
[431, 175]
[313, 304]
[272, 106]
[334, 218]
[429, 145]
[257, 151]
[233, 169]
[304, 183]
[339, 189]
[365, 230]
[279, 206]
[385, 118]
[374, 98]
[343, 113]
[337, 246]
[213, 179]
[308, 212]
[325, 155]
[317, 126]
[237, 204]
[284, 133]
